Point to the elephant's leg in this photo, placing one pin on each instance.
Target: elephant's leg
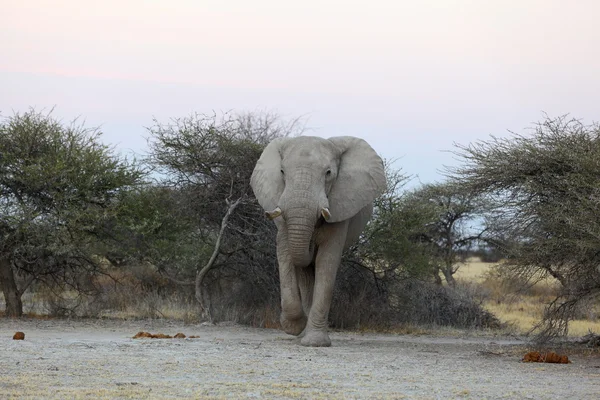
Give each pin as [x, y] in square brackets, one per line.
[306, 283]
[326, 266]
[293, 319]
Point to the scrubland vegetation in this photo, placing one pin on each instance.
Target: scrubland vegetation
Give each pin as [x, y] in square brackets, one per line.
[519, 305]
[178, 233]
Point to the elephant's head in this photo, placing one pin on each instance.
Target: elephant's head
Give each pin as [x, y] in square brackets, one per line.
[306, 178]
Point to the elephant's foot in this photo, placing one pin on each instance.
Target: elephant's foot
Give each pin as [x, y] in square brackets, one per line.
[293, 326]
[316, 339]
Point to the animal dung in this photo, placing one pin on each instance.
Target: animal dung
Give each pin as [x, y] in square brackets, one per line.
[142, 334]
[19, 336]
[549, 357]
[149, 335]
[161, 336]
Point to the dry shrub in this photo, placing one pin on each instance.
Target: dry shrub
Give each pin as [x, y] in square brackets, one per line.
[590, 340]
[503, 280]
[245, 309]
[359, 300]
[363, 301]
[125, 294]
[140, 292]
[425, 303]
[248, 297]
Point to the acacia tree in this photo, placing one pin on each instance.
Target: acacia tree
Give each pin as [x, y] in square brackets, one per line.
[211, 159]
[57, 185]
[547, 219]
[453, 227]
[387, 277]
[424, 231]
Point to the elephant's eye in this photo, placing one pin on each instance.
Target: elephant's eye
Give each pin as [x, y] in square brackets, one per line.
[328, 172]
[281, 172]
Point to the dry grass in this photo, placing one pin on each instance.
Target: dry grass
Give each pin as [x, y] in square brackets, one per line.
[521, 310]
[124, 297]
[148, 295]
[142, 294]
[473, 270]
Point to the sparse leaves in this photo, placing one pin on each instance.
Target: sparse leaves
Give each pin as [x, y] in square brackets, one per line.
[546, 187]
[209, 160]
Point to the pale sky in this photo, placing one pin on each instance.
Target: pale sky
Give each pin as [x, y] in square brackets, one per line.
[411, 77]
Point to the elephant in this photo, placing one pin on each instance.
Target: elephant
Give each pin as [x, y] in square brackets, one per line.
[320, 193]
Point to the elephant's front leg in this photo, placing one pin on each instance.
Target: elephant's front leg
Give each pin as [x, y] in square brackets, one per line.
[326, 266]
[293, 319]
[306, 283]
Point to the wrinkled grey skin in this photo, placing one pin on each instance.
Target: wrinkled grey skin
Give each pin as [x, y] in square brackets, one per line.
[320, 194]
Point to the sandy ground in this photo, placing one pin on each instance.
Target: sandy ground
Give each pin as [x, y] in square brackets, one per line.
[99, 359]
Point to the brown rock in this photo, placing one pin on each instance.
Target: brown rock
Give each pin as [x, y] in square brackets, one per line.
[532, 356]
[549, 357]
[161, 336]
[142, 335]
[179, 336]
[19, 336]
[552, 357]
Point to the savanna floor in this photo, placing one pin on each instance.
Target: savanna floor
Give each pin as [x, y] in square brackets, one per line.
[100, 359]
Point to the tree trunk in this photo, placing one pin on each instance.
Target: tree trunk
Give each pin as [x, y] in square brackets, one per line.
[448, 274]
[437, 278]
[12, 295]
[205, 305]
[556, 275]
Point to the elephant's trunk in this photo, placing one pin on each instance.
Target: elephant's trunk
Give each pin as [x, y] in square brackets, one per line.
[300, 218]
[301, 204]
[300, 232]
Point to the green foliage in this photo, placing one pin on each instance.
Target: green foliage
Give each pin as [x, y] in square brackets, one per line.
[419, 232]
[67, 202]
[395, 238]
[154, 224]
[547, 217]
[45, 166]
[391, 246]
[58, 185]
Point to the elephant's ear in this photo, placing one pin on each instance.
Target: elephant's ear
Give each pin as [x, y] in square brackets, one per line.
[267, 182]
[361, 178]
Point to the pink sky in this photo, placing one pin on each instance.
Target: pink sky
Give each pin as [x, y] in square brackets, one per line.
[410, 76]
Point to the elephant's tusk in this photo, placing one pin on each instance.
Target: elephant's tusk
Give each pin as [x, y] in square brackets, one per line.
[273, 214]
[325, 213]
